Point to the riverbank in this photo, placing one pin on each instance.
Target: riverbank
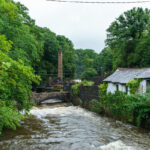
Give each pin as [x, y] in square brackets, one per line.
[133, 109]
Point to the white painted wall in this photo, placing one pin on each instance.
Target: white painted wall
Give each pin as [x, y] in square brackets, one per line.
[142, 87]
[111, 88]
[122, 88]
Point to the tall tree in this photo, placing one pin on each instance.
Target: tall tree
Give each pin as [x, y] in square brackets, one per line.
[105, 59]
[86, 63]
[124, 34]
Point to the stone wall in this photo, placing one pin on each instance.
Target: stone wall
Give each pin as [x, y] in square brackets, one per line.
[86, 94]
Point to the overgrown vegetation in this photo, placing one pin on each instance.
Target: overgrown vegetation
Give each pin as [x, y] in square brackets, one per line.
[132, 108]
[134, 85]
[75, 88]
[9, 116]
[96, 106]
[103, 92]
[15, 87]
[25, 50]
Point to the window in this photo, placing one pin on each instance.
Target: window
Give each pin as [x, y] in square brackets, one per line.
[117, 87]
[148, 82]
[148, 86]
[126, 89]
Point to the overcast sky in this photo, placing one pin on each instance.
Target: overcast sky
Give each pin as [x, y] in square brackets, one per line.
[84, 24]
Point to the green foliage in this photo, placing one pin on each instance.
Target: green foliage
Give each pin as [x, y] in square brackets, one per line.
[134, 109]
[103, 92]
[140, 107]
[117, 106]
[89, 73]
[35, 46]
[148, 90]
[49, 59]
[24, 49]
[87, 83]
[7, 8]
[68, 56]
[130, 25]
[128, 38]
[5, 45]
[105, 59]
[95, 106]
[134, 85]
[86, 62]
[15, 81]
[15, 87]
[142, 52]
[75, 88]
[9, 116]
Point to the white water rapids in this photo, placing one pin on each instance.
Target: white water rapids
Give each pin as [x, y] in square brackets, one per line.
[64, 127]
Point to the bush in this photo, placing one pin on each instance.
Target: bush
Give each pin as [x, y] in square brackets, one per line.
[134, 109]
[115, 103]
[140, 107]
[75, 89]
[96, 106]
[9, 116]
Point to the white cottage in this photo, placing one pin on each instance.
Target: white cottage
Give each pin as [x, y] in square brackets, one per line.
[118, 80]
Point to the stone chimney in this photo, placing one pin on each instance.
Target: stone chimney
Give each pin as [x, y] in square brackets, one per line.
[60, 65]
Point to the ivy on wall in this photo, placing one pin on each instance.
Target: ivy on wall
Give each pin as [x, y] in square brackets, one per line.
[134, 85]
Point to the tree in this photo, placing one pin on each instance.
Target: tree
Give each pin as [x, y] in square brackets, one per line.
[23, 11]
[131, 25]
[16, 78]
[7, 8]
[86, 58]
[88, 73]
[105, 59]
[15, 87]
[125, 33]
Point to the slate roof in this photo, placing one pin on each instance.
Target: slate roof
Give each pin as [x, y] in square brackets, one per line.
[124, 75]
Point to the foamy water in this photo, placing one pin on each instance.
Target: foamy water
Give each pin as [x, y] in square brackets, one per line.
[63, 127]
[118, 145]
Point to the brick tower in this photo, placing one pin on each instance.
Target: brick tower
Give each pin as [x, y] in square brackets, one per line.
[60, 65]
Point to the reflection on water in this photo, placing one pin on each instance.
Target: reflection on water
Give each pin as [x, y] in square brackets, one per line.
[64, 127]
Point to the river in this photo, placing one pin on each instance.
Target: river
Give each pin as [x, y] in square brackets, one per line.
[62, 126]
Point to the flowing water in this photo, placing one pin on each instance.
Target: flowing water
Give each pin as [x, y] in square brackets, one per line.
[66, 127]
